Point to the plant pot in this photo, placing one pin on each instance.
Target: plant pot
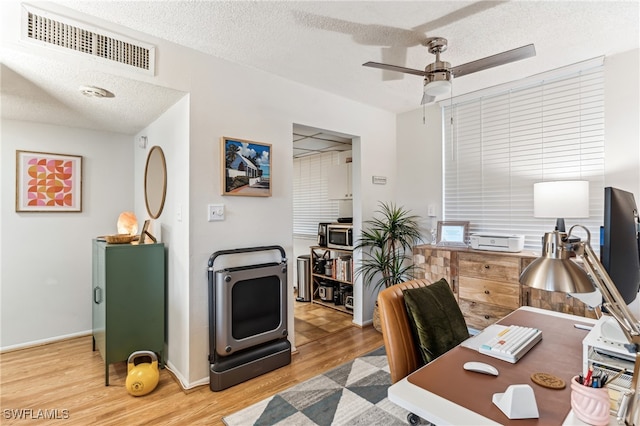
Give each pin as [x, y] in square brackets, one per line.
[376, 318]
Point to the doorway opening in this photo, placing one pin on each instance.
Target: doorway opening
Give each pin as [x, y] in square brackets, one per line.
[323, 192]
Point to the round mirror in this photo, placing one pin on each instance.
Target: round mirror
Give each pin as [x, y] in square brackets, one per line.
[155, 182]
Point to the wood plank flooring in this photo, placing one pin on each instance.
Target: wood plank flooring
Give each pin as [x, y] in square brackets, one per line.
[65, 380]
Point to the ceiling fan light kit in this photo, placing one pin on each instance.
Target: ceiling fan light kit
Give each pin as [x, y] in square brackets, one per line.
[437, 84]
[439, 74]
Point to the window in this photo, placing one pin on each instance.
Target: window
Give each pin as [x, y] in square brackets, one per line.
[310, 193]
[497, 146]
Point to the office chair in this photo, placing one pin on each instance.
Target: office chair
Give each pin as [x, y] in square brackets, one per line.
[410, 341]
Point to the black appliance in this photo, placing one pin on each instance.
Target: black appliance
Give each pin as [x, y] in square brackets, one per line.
[322, 233]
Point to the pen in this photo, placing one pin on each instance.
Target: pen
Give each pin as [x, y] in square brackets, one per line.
[587, 379]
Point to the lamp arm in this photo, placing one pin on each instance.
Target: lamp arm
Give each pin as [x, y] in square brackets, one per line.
[617, 307]
[614, 302]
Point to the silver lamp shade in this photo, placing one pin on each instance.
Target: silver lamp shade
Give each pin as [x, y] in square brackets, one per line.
[554, 270]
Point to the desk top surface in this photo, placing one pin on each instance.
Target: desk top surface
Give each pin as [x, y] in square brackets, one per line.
[558, 353]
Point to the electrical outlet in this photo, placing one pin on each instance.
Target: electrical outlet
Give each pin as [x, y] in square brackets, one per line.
[215, 212]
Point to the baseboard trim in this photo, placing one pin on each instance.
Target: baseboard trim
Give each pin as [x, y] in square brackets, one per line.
[42, 342]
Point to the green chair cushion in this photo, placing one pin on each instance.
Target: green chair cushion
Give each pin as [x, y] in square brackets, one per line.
[435, 318]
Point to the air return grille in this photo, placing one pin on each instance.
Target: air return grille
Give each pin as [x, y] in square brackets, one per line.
[62, 33]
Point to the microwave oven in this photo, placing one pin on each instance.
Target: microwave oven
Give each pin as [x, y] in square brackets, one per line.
[340, 236]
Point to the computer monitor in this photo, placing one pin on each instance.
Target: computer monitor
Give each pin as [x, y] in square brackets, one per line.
[620, 254]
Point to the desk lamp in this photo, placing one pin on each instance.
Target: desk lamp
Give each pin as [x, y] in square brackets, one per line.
[555, 271]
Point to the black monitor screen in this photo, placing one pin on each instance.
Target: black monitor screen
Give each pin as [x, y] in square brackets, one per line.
[620, 254]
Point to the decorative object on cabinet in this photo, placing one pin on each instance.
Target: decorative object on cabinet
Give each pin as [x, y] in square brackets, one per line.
[332, 278]
[128, 309]
[386, 240]
[155, 182]
[127, 223]
[119, 238]
[145, 232]
[487, 283]
[452, 233]
[246, 168]
[48, 182]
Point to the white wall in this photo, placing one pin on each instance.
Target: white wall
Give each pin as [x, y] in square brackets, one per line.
[171, 133]
[420, 154]
[247, 104]
[622, 122]
[45, 266]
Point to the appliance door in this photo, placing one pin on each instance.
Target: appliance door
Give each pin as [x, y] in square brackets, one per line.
[340, 238]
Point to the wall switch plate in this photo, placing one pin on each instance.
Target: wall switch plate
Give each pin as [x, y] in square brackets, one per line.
[215, 212]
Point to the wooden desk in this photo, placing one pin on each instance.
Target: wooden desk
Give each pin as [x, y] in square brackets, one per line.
[443, 393]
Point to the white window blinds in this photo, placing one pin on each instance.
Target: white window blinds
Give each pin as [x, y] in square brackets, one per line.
[496, 147]
[310, 193]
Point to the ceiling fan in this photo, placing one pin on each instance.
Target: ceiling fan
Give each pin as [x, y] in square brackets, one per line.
[439, 74]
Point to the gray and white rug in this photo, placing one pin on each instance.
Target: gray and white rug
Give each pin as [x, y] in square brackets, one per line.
[354, 393]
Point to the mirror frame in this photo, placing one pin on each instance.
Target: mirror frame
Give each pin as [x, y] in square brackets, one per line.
[155, 152]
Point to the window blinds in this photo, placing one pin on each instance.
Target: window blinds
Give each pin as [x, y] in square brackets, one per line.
[496, 147]
[310, 193]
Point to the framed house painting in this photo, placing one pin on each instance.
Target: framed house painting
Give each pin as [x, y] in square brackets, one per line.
[246, 168]
[48, 182]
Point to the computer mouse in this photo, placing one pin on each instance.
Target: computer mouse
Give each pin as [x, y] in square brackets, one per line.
[481, 367]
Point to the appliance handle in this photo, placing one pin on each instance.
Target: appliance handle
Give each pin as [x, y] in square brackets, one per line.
[213, 257]
[97, 295]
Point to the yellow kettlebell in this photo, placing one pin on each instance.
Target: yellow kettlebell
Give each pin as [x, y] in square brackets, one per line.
[144, 377]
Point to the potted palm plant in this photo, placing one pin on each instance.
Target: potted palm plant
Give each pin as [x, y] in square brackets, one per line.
[386, 242]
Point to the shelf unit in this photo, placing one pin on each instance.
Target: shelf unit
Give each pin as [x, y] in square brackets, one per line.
[342, 273]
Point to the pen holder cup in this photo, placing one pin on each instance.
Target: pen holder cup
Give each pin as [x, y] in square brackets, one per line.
[591, 405]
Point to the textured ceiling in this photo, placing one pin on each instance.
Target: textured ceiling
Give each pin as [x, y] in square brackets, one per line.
[323, 45]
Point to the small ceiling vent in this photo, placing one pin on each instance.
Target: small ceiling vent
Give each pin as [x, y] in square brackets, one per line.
[63, 33]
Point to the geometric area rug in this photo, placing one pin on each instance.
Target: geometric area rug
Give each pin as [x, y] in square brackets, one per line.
[354, 393]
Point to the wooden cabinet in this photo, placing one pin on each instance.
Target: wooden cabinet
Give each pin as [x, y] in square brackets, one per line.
[488, 287]
[340, 186]
[486, 283]
[337, 279]
[128, 300]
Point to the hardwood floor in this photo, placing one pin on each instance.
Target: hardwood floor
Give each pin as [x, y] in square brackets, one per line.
[65, 380]
[313, 322]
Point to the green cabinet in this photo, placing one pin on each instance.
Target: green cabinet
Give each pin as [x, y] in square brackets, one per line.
[128, 300]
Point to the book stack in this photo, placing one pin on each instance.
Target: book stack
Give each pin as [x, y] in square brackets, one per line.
[343, 268]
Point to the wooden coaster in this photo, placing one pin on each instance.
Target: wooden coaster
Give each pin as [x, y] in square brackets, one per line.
[548, 380]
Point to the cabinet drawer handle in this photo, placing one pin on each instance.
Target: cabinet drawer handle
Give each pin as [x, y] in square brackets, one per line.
[487, 317]
[486, 266]
[97, 295]
[486, 292]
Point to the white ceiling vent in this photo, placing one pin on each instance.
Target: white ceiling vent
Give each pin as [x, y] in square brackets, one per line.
[63, 33]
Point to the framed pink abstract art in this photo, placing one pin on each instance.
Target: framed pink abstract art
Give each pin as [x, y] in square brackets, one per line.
[48, 182]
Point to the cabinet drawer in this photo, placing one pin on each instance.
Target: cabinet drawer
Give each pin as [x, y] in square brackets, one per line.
[494, 292]
[499, 268]
[481, 315]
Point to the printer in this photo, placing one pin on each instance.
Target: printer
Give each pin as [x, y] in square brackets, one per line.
[497, 242]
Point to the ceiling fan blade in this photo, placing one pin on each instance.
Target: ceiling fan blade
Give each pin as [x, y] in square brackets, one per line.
[513, 55]
[426, 99]
[394, 68]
